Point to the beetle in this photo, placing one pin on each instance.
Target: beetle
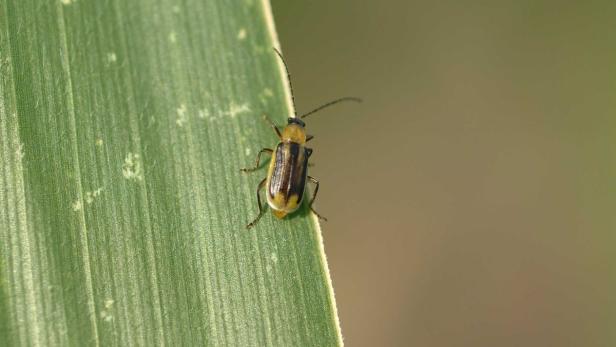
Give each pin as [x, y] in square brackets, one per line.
[287, 175]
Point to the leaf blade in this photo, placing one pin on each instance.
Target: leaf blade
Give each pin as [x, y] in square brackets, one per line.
[134, 120]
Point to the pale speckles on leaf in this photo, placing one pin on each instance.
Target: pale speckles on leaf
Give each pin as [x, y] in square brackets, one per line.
[265, 94]
[268, 92]
[67, 2]
[106, 314]
[90, 196]
[175, 9]
[235, 109]
[205, 114]
[248, 151]
[241, 35]
[99, 142]
[112, 57]
[76, 205]
[274, 260]
[173, 37]
[182, 115]
[131, 169]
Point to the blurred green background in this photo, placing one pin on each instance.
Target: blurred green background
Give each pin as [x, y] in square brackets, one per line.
[472, 196]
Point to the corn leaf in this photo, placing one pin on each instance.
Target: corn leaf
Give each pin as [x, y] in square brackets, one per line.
[123, 126]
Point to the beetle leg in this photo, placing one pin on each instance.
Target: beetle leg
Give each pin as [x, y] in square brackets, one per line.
[273, 126]
[314, 196]
[261, 210]
[264, 150]
[309, 137]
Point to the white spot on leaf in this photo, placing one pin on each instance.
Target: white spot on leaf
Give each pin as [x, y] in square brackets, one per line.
[106, 313]
[265, 94]
[247, 151]
[241, 35]
[76, 205]
[112, 57]
[90, 196]
[67, 2]
[274, 257]
[203, 114]
[131, 169]
[173, 37]
[235, 109]
[182, 119]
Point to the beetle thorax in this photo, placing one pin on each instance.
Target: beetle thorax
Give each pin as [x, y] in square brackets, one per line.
[294, 133]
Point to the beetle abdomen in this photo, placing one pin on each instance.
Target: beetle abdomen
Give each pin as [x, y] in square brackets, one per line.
[287, 178]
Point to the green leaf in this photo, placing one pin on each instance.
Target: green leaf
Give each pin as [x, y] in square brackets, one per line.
[123, 126]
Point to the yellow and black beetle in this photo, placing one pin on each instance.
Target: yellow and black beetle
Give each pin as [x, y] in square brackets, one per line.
[287, 174]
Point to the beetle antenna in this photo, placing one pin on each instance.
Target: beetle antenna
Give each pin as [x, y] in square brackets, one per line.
[288, 78]
[330, 104]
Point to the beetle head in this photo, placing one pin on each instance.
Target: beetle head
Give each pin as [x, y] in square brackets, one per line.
[295, 120]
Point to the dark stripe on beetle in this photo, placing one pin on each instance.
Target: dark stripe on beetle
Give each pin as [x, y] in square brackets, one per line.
[289, 174]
